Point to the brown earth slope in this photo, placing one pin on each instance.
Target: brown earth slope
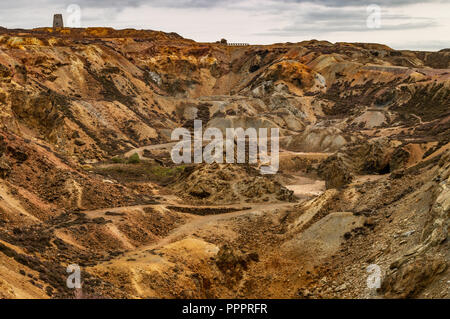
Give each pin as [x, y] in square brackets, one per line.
[363, 179]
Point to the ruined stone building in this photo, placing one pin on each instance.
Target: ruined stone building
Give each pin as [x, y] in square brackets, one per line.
[58, 21]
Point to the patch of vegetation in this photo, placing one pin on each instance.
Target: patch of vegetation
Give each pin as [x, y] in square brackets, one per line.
[167, 171]
[118, 160]
[141, 171]
[134, 159]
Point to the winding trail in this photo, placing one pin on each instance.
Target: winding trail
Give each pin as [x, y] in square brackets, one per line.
[168, 146]
[140, 150]
[196, 221]
[301, 186]
[200, 221]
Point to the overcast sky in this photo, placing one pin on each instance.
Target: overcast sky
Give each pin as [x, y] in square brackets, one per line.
[404, 24]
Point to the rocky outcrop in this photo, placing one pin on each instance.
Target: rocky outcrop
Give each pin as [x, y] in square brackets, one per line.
[372, 157]
[418, 267]
[228, 183]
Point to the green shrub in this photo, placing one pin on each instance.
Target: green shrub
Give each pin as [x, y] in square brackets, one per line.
[117, 160]
[134, 159]
[161, 171]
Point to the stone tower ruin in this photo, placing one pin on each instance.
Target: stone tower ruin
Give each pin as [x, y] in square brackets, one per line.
[58, 21]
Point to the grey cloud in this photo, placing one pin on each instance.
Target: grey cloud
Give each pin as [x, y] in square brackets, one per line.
[154, 3]
[363, 3]
[341, 26]
[213, 3]
[340, 19]
[119, 4]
